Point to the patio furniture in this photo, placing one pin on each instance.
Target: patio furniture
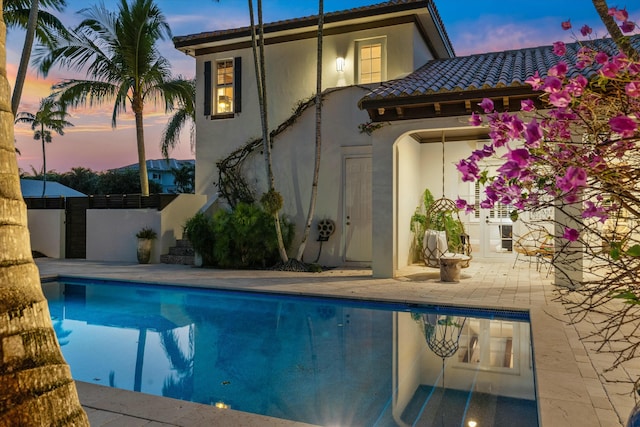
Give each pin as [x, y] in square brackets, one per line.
[450, 266]
[536, 244]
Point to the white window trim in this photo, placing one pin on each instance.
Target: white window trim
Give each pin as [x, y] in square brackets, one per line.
[372, 40]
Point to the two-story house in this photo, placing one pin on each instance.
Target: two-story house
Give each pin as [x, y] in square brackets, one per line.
[361, 48]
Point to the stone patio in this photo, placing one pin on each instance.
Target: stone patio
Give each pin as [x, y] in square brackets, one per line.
[573, 386]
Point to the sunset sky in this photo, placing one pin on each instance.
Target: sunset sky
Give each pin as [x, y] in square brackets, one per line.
[473, 27]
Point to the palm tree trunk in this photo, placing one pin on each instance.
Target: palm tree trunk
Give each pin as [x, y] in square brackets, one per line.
[316, 167]
[614, 31]
[259, 63]
[44, 162]
[24, 58]
[142, 161]
[36, 387]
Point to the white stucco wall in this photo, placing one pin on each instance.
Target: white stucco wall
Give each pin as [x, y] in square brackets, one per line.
[291, 74]
[293, 157]
[47, 231]
[111, 233]
[412, 167]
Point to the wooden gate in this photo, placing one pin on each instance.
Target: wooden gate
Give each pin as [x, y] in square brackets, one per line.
[76, 227]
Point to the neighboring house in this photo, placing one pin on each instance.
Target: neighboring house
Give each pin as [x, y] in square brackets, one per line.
[389, 64]
[361, 48]
[161, 172]
[33, 188]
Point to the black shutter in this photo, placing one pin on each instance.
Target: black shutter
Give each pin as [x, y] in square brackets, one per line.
[207, 88]
[237, 84]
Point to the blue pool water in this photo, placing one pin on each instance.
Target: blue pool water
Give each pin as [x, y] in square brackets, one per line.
[320, 361]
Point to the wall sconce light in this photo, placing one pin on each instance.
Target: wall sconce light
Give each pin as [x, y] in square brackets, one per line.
[340, 64]
[381, 111]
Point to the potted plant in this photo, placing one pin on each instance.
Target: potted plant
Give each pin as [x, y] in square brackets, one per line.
[145, 236]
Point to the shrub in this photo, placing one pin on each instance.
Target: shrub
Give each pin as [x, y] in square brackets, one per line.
[246, 238]
[199, 231]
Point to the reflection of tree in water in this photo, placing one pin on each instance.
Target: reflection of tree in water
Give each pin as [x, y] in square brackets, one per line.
[61, 333]
[179, 384]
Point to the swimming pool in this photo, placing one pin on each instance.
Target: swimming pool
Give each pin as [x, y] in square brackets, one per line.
[316, 360]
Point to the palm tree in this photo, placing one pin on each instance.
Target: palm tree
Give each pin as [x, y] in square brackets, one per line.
[38, 24]
[33, 372]
[318, 142]
[614, 31]
[272, 196]
[52, 116]
[119, 53]
[185, 112]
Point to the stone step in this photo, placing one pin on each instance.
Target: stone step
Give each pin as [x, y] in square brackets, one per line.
[183, 243]
[177, 250]
[176, 259]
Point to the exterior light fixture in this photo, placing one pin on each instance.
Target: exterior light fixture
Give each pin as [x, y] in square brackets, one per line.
[340, 64]
[472, 423]
[381, 111]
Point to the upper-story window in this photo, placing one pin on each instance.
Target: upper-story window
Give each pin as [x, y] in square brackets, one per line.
[224, 87]
[372, 60]
[223, 94]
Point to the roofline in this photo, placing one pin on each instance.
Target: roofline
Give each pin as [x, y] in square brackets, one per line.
[184, 42]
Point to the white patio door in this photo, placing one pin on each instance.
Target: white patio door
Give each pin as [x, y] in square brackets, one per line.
[358, 207]
[496, 228]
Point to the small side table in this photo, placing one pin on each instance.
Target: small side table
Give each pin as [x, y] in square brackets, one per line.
[451, 265]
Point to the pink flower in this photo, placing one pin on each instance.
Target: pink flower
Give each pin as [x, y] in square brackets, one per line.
[527, 105]
[601, 57]
[560, 99]
[623, 125]
[552, 84]
[461, 204]
[570, 234]
[610, 70]
[566, 25]
[577, 85]
[559, 70]
[533, 133]
[591, 210]
[535, 81]
[469, 170]
[585, 30]
[573, 179]
[627, 26]
[619, 14]
[486, 105]
[559, 48]
[633, 89]
[475, 119]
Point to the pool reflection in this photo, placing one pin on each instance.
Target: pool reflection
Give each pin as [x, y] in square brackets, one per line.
[308, 360]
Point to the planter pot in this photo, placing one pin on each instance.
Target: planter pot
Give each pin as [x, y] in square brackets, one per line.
[144, 250]
[197, 259]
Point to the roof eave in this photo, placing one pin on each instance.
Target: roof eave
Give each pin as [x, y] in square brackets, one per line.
[185, 43]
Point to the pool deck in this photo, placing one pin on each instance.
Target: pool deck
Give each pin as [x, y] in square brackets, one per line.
[573, 385]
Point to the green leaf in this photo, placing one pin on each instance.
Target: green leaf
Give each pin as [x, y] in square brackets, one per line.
[633, 250]
[615, 253]
[628, 296]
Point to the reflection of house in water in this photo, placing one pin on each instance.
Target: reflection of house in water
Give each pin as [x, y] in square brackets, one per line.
[301, 359]
[488, 380]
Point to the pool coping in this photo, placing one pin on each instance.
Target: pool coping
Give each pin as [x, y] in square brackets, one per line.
[565, 393]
